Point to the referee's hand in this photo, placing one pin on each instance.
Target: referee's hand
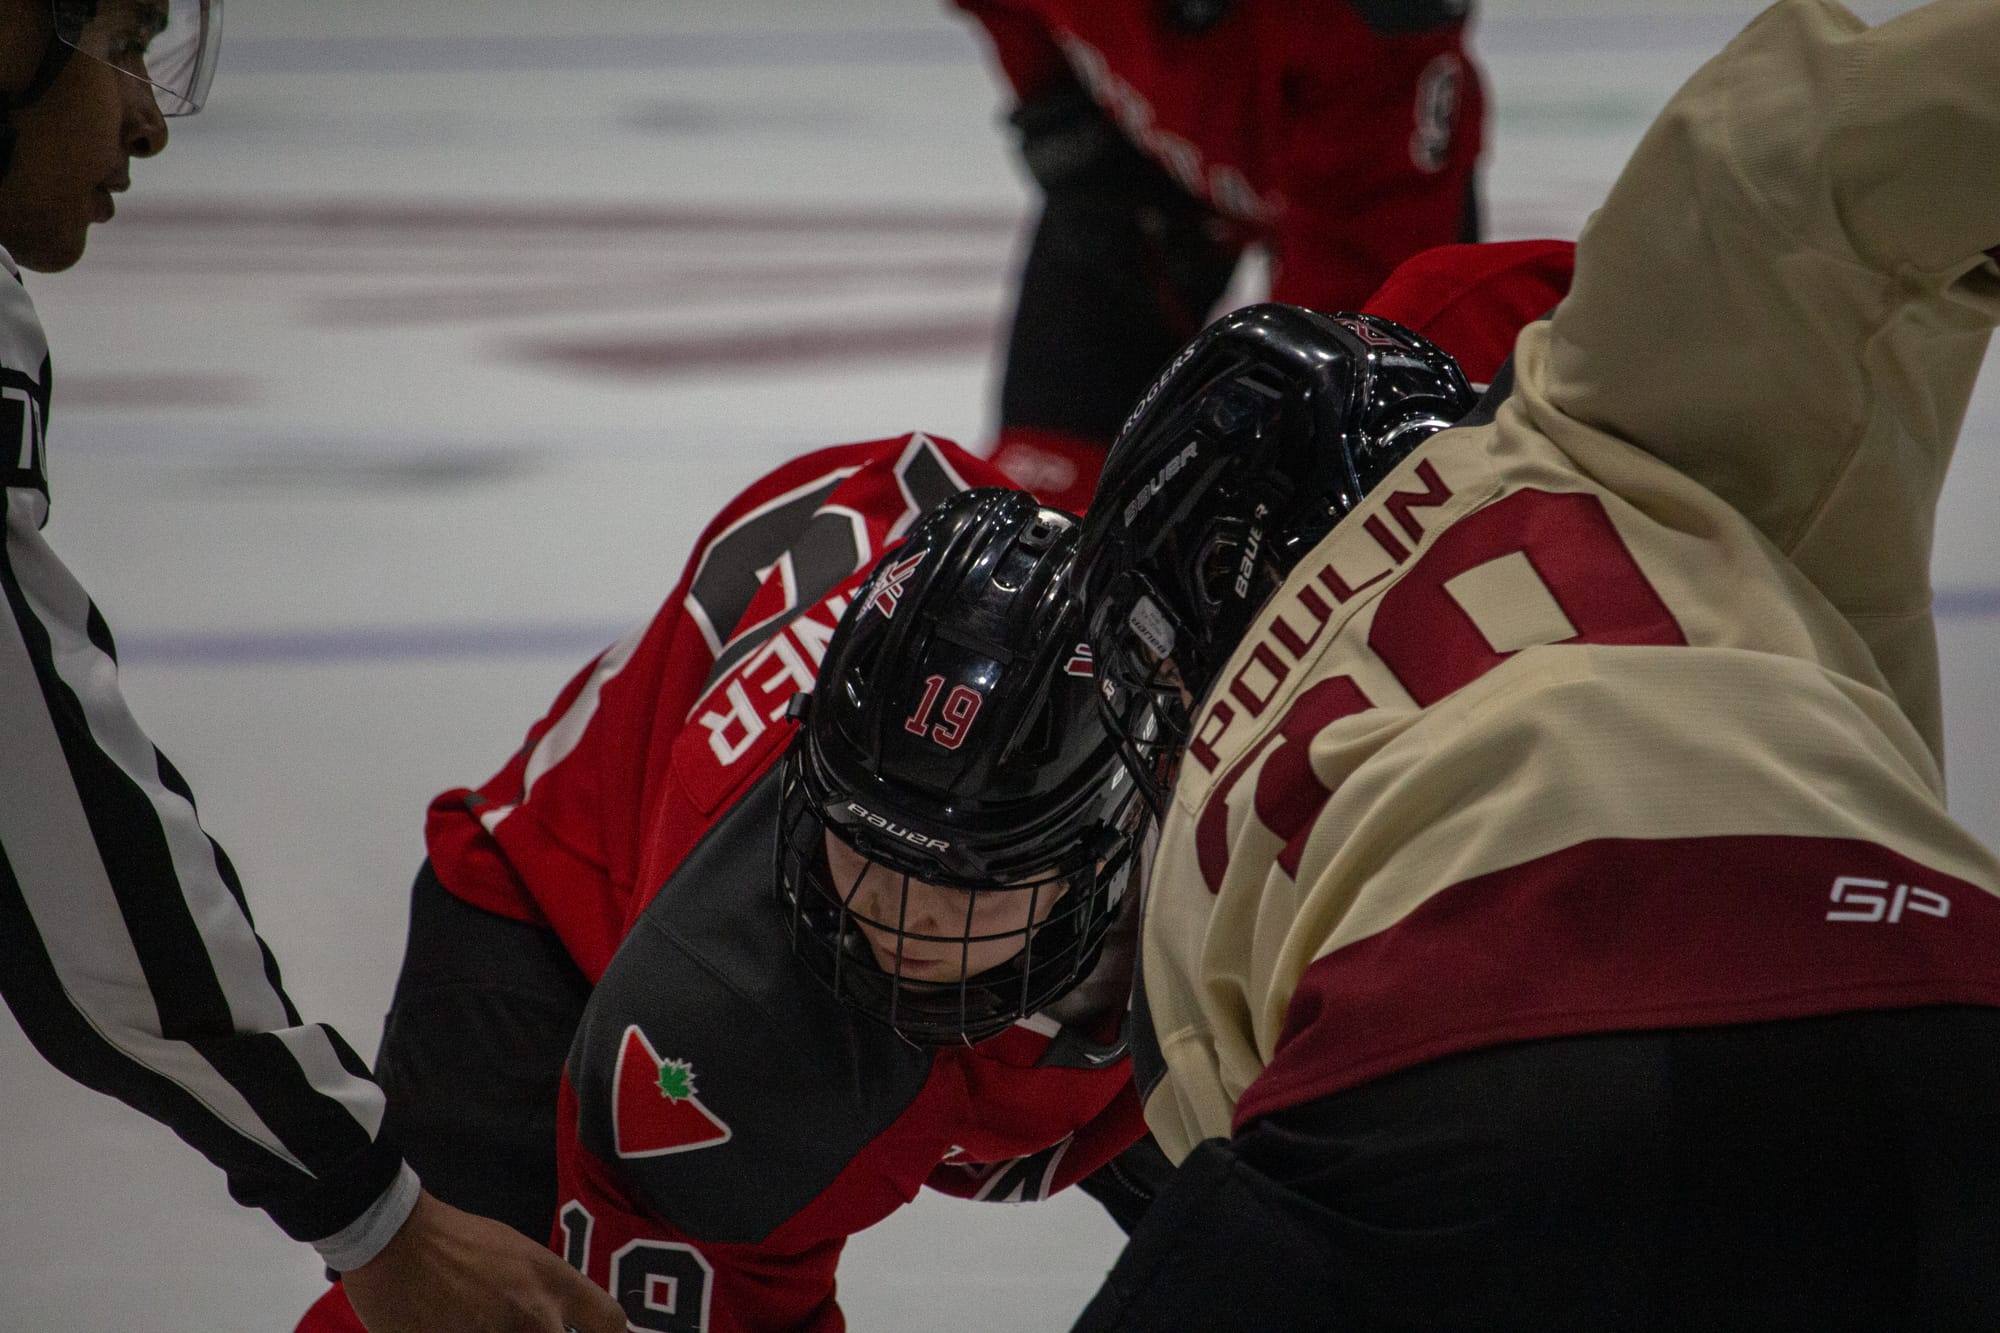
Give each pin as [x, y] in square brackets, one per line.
[448, 1271]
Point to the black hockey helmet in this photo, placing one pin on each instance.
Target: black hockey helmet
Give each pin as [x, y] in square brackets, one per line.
[1262, 433]
[953, 741]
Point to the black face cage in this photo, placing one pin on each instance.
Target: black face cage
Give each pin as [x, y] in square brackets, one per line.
[1056, 952]
[1142, 699]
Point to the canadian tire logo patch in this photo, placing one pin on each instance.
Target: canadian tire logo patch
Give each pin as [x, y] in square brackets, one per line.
[656, 1111]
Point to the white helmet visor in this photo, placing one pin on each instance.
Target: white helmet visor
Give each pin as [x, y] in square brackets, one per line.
[170, 44]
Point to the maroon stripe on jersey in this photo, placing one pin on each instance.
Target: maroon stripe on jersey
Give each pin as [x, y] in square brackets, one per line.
[1625, 934]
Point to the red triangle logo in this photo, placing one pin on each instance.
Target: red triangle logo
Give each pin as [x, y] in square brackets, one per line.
[655, 1110]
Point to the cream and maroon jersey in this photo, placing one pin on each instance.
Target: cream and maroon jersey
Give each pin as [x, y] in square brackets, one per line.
[1617, 707]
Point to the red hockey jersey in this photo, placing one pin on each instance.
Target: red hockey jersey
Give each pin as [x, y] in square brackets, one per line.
[1342, 133]
[649, 742]
[1474, 300]
[726, 1123]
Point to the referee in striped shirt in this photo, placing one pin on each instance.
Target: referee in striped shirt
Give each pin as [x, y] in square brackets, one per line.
[126, 950]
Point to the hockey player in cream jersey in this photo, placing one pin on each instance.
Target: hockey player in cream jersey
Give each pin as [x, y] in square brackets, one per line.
[1557, 920]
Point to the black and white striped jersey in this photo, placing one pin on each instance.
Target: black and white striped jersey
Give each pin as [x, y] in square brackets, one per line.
[126, 949]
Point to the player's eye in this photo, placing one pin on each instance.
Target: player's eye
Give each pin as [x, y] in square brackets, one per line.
[128, 44]
[136, 36]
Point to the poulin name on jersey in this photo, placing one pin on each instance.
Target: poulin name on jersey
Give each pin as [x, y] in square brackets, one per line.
[1301, 616]
[656, 1110]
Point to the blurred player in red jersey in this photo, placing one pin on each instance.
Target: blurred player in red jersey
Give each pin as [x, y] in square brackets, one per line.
[954, 836]
[1166, 136]
[1558, 921]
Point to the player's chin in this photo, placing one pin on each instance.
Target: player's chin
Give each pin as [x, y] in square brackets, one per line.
[54, 251]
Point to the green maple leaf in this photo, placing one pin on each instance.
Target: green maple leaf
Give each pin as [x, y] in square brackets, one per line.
[677, 1080]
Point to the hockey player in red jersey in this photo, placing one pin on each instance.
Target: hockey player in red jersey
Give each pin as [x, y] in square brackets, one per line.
[771, 1051]
[1557, 920]
[954, 834]
[1168, 135]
